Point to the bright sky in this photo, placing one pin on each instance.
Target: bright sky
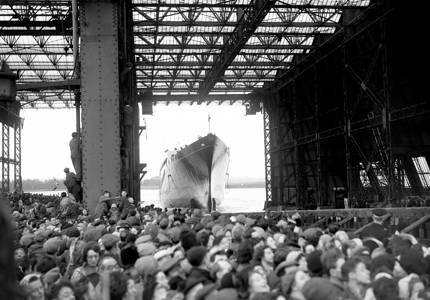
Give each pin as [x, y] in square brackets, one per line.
[46, 135]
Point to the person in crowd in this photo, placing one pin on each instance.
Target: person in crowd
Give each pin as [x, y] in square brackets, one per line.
[9, 288]
[63, 290]
[293, 282]
[152, 253]
[356, 276]
[91, 255]
[376, 228]
[72, 184]
[76, 154]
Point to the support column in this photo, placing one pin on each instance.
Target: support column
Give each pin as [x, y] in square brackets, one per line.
[320, 188]
[17, 180]
[267, 156]
[129, 124]
[298, 155]
[100, 99]
[5, 183]
[386, 116]
[347, 125]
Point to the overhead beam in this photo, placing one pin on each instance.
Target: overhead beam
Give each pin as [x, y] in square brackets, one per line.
[209, 47]
[233, 63]
[237, 4]
[71, 84]
[358, 25]
[258, 9]
[176, 31]
[34, 23]
[200, 4]
[200, 99]
[185, 90]
[251, 18]
[36, 32]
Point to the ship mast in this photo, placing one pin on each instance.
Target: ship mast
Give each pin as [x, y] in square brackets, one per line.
[209, 122]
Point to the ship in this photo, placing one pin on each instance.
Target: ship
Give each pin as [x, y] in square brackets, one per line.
[195, 175]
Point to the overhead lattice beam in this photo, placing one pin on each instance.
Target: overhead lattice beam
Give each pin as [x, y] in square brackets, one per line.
[246, 26]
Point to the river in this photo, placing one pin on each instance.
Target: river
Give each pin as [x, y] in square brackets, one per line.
[236, 199]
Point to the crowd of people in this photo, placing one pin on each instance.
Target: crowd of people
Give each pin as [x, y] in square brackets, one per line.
[127, 252]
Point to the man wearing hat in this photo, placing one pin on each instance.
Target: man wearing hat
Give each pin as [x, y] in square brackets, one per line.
[72, 185]
[197, 257]
[376, 229]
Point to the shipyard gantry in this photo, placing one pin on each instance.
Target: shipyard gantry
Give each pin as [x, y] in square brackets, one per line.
[341, 84]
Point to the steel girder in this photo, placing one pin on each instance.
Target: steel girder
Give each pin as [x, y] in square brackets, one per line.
[100, 98]
[5, 159]
[17, 179]
[185, 37]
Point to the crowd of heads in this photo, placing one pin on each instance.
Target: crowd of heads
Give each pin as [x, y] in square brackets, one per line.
[127, 252]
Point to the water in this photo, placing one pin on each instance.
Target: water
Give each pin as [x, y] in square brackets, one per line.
[236, 200]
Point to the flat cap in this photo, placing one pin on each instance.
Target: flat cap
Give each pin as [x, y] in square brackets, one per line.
[379, 212]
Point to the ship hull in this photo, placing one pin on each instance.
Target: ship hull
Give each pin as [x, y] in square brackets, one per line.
[195, 174]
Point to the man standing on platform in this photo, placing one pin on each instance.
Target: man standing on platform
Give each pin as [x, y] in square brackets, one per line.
[376, 229]
[73, 185]
[75, 154]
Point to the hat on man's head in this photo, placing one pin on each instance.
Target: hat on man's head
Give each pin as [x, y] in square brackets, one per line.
[258, 233]
[379, 212]
[92, 234]
[284, 265]
[143, 239]
[241, 219]
[152, 230]
[52, 245]
[195, 255]
[109, 240]
[167, 265]
[318, 288]
[26, 239]
[215, 215]
[146, 265]
[216, 228]
[162, 253]
[412, 261]
[315, 266]
[175, 234]
[145, 249]
[224, 294]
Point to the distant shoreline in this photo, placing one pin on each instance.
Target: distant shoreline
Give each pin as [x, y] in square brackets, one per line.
[245, 186]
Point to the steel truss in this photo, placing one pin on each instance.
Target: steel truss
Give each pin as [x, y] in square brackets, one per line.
[181, 47]
[345, 148]
[7, 161]
[17, 179]
[267, 156]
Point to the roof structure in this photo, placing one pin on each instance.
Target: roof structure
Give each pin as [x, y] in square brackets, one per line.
[186, 50]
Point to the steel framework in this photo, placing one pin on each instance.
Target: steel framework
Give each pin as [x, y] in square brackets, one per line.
[17, 179]
[333, 138]
[5, 164]
[184, 48]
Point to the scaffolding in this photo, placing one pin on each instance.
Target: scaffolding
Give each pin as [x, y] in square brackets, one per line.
[7, 161]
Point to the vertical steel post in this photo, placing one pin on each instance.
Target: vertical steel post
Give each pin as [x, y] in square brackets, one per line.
[100, 100]
[347, 123]
[5, 160]
[298, 167]
[78, 112]
[267, 156]
[318, 141]
[17, 157]
[386, 123]
[130, 120]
